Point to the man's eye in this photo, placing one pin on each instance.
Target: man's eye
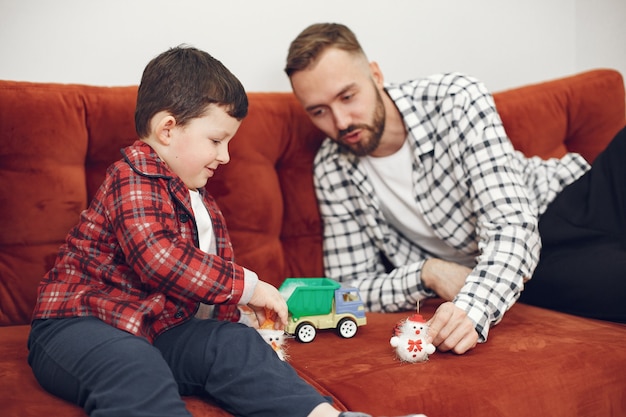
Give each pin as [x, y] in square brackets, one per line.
[318, 112]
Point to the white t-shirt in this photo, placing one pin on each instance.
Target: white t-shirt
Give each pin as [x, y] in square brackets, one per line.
[203, 222]
[206, 238]
[391, 178]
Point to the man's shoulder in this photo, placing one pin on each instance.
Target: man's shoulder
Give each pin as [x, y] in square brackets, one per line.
[435, 86]
[332, 161]
[327, 154]
[438, 79]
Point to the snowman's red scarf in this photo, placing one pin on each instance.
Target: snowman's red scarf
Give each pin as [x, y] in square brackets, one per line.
[415, 345]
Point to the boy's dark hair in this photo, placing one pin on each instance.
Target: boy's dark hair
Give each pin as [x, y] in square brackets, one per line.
[184, 81]
[314, 40]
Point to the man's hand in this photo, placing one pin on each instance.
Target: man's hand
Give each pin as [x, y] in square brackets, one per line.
[445, 278]
[451, 329]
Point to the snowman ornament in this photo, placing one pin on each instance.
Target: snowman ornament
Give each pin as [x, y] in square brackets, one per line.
[410, 340]
[275, 338]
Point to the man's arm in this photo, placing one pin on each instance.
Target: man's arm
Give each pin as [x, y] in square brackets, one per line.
[506, 218]
[355, 236]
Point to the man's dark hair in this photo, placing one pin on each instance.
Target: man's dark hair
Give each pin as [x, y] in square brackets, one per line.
[184, 81]
[315, 39]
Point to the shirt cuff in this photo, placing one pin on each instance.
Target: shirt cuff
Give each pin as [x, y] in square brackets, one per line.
[250, 280]
[478, 315]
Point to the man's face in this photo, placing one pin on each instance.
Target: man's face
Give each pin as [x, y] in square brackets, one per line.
[343, 99]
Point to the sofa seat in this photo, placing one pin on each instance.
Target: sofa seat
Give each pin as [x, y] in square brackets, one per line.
[582, 361]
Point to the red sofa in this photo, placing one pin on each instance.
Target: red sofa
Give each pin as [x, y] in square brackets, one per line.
[57, 140]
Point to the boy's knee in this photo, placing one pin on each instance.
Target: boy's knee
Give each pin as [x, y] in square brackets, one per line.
[237, 346]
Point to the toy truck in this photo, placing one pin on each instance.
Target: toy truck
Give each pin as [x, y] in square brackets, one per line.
[321, 303]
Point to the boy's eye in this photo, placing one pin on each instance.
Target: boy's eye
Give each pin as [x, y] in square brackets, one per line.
[347, 97]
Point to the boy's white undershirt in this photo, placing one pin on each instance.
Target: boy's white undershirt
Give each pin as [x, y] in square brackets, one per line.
[206, 238]
[203, 223]
[391, 177]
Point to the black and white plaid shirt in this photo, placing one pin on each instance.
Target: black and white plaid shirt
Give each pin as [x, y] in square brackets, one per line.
[477, 193]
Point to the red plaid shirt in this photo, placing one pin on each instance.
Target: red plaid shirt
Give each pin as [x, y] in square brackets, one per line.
[133, 260]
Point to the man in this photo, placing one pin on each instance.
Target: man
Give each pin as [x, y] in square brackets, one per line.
[422, 194]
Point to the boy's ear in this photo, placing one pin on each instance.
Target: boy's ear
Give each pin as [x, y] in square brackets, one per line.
[164, 124]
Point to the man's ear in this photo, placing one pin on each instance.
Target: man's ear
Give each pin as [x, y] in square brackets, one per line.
[164, 123]
[377, 74]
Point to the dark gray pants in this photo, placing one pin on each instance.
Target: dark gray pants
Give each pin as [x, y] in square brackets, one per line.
[582, 268]
[110, 372]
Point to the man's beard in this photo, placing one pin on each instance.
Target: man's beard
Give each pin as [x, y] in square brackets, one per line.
[373, 133]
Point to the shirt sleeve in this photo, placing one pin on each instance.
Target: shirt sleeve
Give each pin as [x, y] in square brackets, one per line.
[506, 220]
[353, 252]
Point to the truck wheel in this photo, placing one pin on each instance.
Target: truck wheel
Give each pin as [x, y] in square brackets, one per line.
[305, 332]
[347, 328]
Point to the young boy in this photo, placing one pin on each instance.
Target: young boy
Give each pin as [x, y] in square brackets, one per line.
[114, 328]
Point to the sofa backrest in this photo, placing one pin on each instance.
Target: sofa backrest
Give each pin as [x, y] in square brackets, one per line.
[56, 142]
[579, 113]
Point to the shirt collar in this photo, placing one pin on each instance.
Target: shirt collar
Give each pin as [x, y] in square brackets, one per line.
[404, 101]
[145, 161]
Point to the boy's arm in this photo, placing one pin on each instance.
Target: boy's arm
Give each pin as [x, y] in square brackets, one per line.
[150, 232]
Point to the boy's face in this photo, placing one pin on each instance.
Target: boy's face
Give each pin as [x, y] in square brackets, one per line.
[341, 93]
[196, 149]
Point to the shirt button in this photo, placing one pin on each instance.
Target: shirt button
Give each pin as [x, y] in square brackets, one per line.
[184, 218]
[179, 314]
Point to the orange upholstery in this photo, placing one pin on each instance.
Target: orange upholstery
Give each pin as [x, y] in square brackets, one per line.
[57, 140]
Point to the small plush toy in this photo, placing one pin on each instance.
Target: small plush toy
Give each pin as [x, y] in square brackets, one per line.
[275, 338]
[409, 340]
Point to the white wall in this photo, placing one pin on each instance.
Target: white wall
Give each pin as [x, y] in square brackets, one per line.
[506, 43]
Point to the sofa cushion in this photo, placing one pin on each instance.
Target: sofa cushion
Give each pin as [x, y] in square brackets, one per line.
[42, 191]
[572, 114]
[536, 363]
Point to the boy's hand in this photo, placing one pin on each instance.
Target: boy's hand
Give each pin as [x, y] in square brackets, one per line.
[266, 296]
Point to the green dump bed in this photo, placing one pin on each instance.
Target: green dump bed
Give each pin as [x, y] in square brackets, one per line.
[309, 296]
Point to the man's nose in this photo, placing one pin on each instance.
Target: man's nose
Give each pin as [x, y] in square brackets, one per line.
[342, 119]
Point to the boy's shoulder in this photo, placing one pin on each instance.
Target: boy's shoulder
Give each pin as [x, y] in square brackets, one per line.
[142, 159]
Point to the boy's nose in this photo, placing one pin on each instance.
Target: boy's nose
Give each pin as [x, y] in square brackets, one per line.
[223, 156]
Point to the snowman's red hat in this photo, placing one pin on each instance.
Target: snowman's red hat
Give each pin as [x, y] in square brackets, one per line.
[417, 317]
